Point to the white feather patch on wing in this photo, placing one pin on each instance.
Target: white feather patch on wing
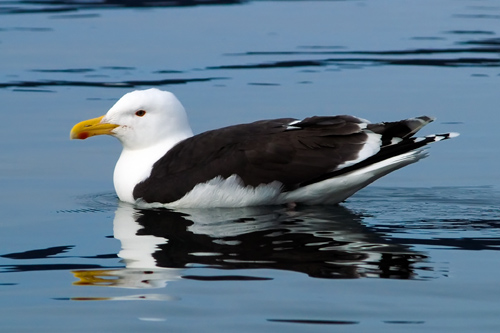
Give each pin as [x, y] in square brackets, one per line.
[229, 192]
[370, 148]
[395, 140]
[291, 127]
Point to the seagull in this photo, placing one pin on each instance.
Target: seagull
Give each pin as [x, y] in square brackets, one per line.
[319, 160]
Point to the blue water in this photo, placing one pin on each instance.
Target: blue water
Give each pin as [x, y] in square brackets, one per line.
[416, 251]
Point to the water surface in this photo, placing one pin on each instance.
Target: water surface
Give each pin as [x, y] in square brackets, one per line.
[416, 251]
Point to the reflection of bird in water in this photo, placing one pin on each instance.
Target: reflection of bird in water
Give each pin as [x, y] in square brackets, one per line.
[327, 242]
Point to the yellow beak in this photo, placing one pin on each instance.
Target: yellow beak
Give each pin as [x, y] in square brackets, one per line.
[90, 128]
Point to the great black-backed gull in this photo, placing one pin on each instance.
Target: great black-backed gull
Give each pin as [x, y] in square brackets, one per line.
[317, 160]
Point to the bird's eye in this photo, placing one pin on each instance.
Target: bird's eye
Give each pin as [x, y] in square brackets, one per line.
[140, 113]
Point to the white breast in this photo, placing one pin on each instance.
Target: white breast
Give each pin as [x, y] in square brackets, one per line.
[134, 166]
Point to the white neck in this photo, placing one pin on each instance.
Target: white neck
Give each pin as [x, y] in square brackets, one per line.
[134, 166]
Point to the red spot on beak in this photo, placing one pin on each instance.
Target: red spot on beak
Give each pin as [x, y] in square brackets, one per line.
[83, 135]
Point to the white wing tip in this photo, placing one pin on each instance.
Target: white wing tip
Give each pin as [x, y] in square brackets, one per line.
[439, 137]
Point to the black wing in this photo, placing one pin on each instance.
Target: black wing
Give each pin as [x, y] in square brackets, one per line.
[292, 152]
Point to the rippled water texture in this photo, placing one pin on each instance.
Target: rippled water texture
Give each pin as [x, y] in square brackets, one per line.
[417, 251]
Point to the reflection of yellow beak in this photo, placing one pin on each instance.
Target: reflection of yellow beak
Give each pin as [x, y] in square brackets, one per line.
[100, 277]
[90, 128]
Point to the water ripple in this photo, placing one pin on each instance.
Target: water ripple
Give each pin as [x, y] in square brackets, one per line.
[122, 84]
[53, 6]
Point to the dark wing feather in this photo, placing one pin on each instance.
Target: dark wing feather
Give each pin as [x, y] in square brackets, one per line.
[284, 150]
[399, 129]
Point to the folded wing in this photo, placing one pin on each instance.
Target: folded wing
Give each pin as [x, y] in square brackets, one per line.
[293, 152]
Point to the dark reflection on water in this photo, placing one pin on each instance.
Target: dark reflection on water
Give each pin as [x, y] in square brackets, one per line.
[328, 243]
[323, 242]
[53, 6]
[382, 235]
[47, 267]
[48, 253]
[477, 56]
[464, 243]
[160, 245]
[469, 51]
[446, 62]
[392, 57]
[120, 84]
[38, 254]
[309, 321]
[458, 218]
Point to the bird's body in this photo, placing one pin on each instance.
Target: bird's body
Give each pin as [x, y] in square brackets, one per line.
[317, 160]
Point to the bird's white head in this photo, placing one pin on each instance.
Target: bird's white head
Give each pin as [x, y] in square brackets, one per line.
[140, 119]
